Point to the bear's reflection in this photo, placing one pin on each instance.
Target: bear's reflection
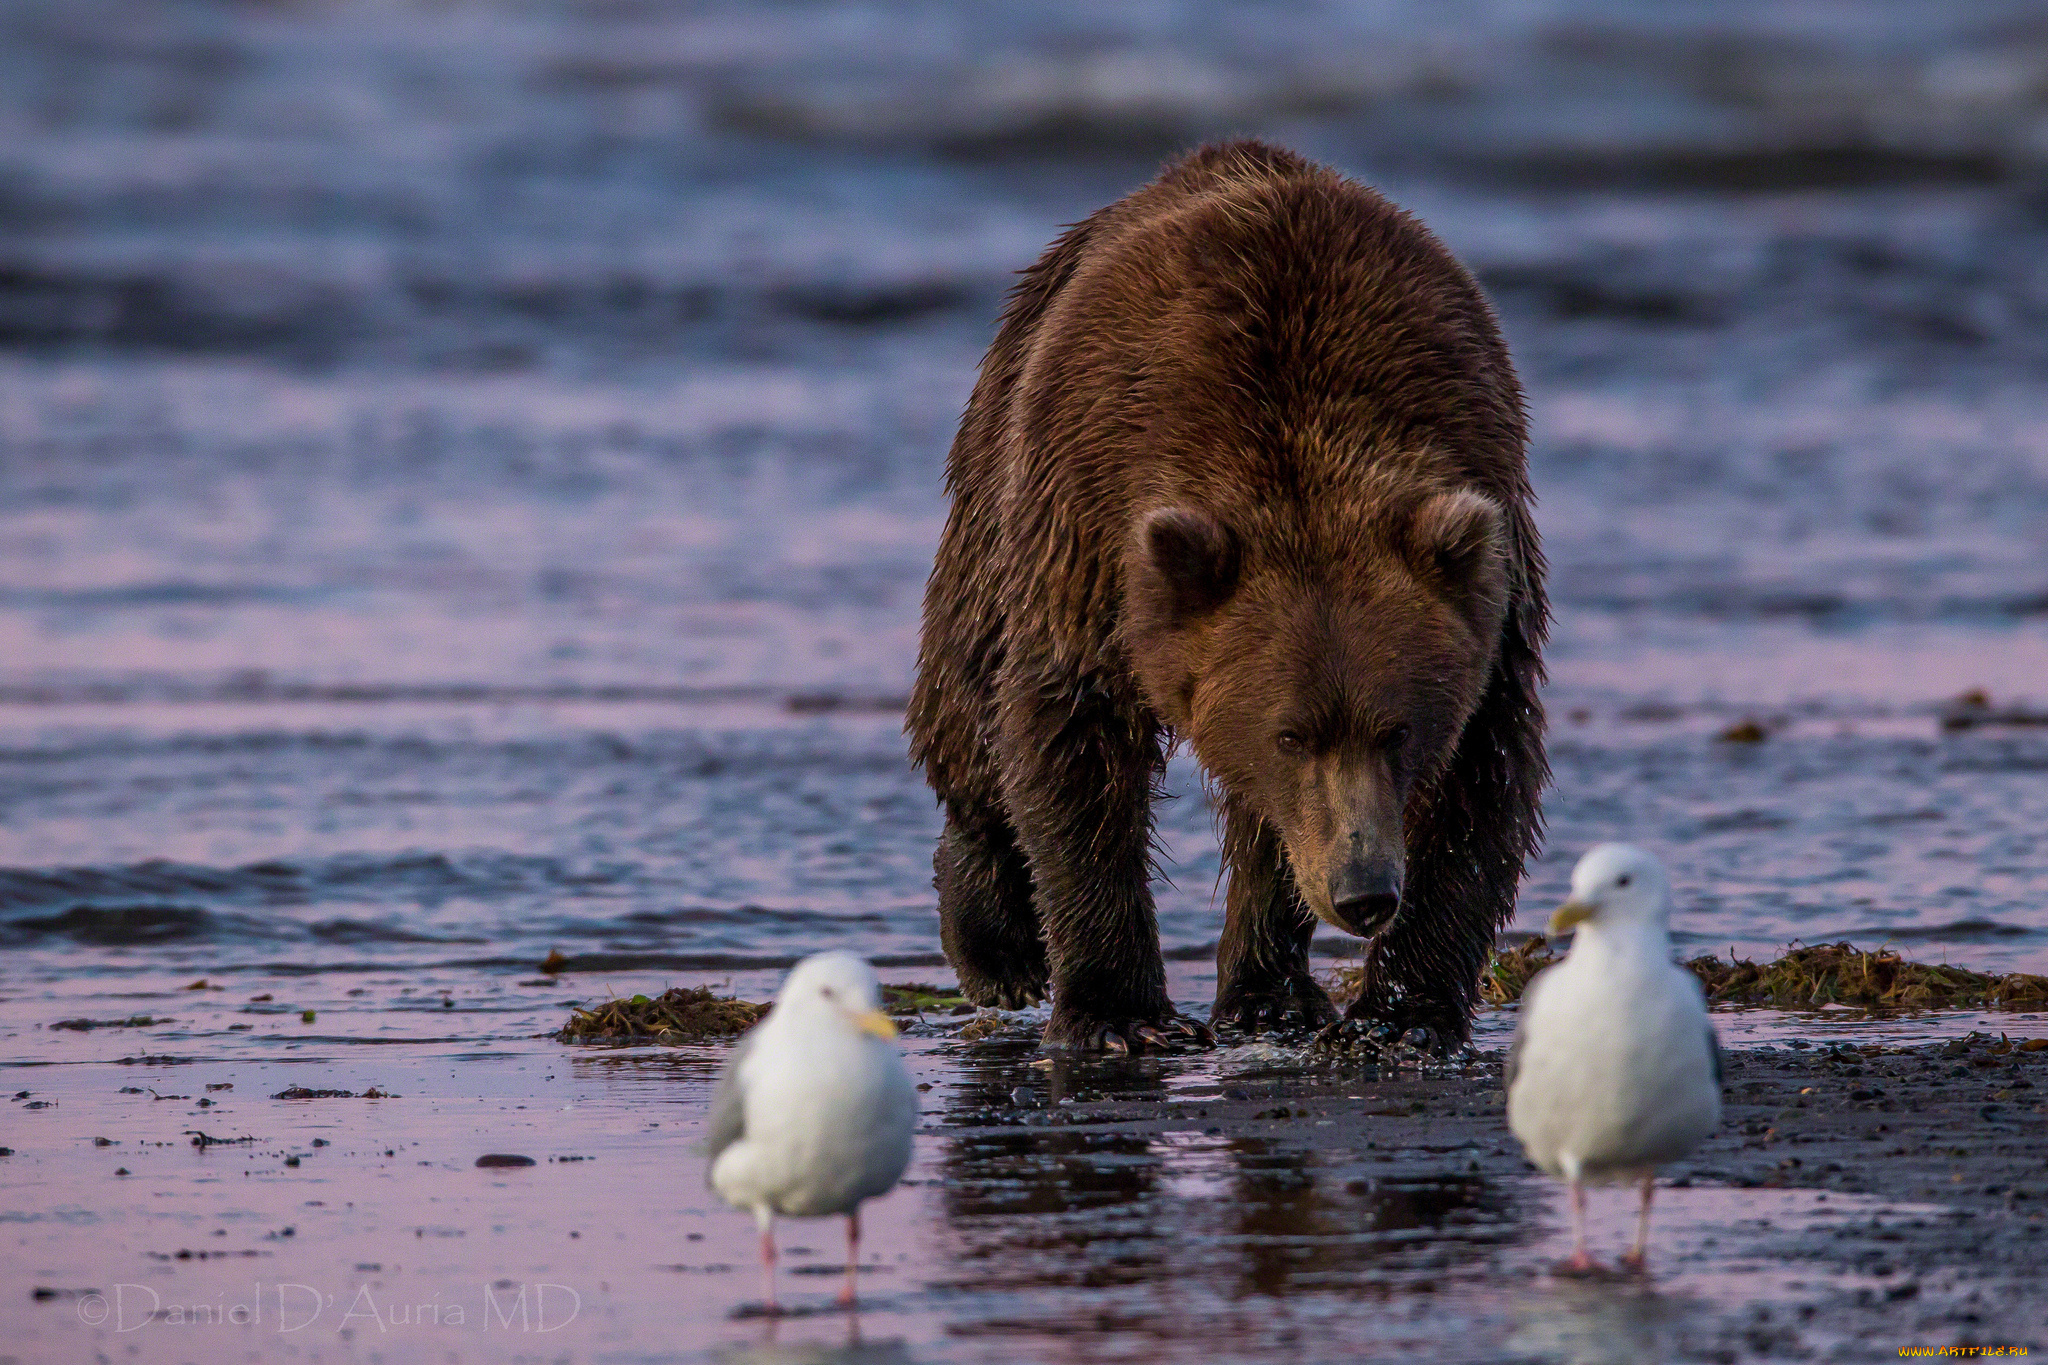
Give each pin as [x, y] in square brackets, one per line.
[1300, 1224]
[1067, 1206]
[1176, 1224]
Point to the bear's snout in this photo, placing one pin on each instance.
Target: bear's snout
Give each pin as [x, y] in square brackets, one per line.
[1365, 891]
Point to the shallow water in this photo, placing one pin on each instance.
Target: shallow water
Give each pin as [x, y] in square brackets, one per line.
[467, 476]
[466, 479]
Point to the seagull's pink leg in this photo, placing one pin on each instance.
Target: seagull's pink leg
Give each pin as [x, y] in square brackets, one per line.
[846, 1295]
[1637, 1256]
[768, 1264]
[1582, 1262]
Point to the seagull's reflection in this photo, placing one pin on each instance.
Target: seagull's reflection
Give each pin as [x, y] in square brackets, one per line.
[853, 1350]
[1593, 1324]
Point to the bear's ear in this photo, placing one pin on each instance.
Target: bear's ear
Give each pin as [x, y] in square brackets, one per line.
[1461, 540]
[1194, 562]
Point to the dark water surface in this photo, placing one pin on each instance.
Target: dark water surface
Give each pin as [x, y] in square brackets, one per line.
[467, 475]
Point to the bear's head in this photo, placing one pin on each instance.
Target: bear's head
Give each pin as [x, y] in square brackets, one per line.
[1323, 665]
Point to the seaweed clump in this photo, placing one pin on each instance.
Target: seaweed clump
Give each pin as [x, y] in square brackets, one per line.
[692, 1014]
[681, 1014]
[1842, 974]
[1512, 969]
[1806, 977]
[918, 997]
[1502, 983]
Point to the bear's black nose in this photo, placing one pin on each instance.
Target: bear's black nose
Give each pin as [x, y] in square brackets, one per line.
[1365, 893]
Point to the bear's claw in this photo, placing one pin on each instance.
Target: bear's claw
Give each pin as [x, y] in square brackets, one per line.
[1295, 1005]
[1124, 1037]
[1005, 995]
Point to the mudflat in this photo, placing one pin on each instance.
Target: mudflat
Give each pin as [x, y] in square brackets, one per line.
[1879, 1183]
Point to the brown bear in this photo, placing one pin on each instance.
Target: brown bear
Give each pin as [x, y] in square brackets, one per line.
[1244, 468]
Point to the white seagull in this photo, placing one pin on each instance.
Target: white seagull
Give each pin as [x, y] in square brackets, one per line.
[815, 1109]
[1615, 1069]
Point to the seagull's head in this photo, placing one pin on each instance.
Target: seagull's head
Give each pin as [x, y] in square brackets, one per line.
[1616, 885]
[835, 988]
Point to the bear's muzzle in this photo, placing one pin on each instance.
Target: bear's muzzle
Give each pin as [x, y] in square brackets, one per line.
[1365, 894]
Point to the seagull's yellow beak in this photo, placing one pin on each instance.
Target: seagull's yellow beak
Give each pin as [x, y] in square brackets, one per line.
[1571, 913]
[877, 1023]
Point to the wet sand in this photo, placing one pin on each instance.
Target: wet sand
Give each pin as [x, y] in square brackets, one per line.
[1251, 1203]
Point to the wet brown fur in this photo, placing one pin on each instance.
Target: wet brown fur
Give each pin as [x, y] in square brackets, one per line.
[1244, 467]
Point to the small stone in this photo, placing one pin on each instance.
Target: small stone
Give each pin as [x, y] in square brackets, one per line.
[505, 1159]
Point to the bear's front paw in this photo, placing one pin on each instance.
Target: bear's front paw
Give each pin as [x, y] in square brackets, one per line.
[1383, 1038]
[1296, 1003]
[1012, 993]
[1079, 1030]
[997, 968]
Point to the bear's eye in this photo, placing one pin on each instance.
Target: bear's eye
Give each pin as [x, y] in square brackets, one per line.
[1291, 743]
[1396, 738]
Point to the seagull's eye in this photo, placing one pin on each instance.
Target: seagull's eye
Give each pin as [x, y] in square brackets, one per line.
[825, 991]
[1622, 880]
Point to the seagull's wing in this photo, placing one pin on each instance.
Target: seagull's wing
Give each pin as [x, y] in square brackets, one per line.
[728, 1105]
[1514, 1066]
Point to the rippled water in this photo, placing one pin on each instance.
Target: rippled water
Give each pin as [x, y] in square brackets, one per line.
[467, 476]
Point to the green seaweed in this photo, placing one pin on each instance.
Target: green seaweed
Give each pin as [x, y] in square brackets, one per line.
[1806, 977]
[681, 1014]
[693, 1014]
[918, 997]
[1843, 974]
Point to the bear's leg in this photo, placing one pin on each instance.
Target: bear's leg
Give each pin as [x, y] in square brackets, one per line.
[1262, 975]
[986, 923]
[1078, 757]
[1421, 974]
